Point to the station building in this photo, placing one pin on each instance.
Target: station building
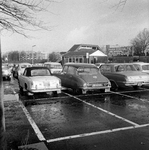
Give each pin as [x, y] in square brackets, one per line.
[83, 53]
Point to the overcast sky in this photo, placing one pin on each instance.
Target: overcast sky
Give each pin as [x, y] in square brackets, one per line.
[83, 21]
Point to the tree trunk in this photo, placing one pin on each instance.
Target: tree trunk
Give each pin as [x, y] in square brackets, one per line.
[2, 119]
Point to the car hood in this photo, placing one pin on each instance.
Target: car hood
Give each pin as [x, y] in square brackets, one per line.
[44, 78]
[94, 78]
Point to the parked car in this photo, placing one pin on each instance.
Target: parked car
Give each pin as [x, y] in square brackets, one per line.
[19, 69]
[6, 72]
[54, 67]
[123, 75]
[142, 66]
[83, 77]
[38, 80]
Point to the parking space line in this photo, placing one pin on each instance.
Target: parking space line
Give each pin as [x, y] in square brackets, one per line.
[108, 112]
[132, 97]
[30, 119]
[32, 123]
[96, 133]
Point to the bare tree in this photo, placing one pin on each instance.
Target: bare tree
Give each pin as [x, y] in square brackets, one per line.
[54, 57]
[18, 16]
[141, 42]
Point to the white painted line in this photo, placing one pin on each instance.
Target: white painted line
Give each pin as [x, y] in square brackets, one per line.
[132, 97]
[108, 112]
[96, 133]
[31, 121]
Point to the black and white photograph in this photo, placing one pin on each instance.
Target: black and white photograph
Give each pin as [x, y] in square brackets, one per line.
[74, 74]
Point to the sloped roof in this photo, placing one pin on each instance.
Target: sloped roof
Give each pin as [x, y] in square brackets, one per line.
[81, 50]
[79, 53]
[98, 54]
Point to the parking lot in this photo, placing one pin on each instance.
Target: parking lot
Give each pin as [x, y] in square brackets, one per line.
[113, 120]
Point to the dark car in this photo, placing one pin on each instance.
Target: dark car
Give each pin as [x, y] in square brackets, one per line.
[123, 75]
[83, 77]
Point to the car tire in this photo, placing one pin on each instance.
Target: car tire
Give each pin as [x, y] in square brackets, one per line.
[136, 87]
[102, 90]
[114, 86]
[21, 91]
[9, 79]
[54, 93]
[78, 91]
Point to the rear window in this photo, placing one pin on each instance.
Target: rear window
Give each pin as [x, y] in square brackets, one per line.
[87, 71]
[53, 66]
[145, 67]
[105, 68]
[40, 72]
[120, 68]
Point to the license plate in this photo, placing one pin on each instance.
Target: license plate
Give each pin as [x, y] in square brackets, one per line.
[97, 85]
[107, 90]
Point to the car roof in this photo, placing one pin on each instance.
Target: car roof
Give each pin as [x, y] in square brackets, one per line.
[117, 64]
[36, 67]
[54, 63]
[80, 65]
[141, 63]
[24, 63]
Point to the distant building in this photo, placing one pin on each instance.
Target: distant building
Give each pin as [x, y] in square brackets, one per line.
[80, 53]
[117, 50]
[29, 55]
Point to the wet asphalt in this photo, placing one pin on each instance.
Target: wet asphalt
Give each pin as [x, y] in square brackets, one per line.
[95, 121]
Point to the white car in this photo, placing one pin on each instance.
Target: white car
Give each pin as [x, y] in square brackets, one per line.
[38, 80]
[54, 67]
[142, 66]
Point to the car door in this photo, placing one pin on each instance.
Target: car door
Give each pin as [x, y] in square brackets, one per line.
[63, 76]
[23, 79]
[71, 72]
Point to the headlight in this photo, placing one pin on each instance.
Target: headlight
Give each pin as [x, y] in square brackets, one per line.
[129, 79]
[84, 85]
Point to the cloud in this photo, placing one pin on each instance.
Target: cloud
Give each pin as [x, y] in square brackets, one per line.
[77, 35]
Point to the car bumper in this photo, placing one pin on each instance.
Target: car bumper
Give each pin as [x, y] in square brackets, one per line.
[44, 90]
[107, 89]
[6, 76]
[140, 83]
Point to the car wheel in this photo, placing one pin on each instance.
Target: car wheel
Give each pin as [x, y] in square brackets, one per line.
[9, 79]
[26, 91]
[55, 93]
[21, 91]
[102, 90]
[136, 87]
[78, 91]
[114, 86]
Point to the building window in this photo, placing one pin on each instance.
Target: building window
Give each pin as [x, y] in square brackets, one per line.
[80, 60]
[77, 60]
[69, 59]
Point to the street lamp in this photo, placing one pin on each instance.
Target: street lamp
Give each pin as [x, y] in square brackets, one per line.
[32, 54]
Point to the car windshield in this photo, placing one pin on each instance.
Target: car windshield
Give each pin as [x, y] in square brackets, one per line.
[40, 72]
[145, 67]
[87, 71]
[120, 68]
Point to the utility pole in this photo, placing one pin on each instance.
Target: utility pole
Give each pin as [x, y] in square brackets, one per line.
[33, 55]
[2, 119]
